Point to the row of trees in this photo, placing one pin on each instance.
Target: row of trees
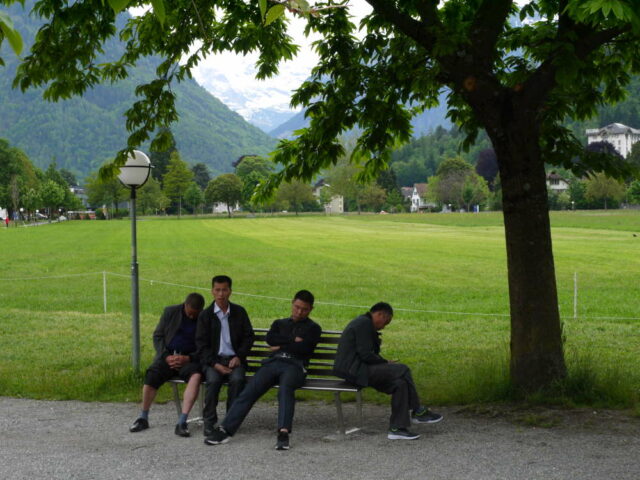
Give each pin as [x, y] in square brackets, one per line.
[175, 187]
[25, 189]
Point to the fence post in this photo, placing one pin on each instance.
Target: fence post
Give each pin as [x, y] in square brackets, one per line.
[104, 290]
[575, 295]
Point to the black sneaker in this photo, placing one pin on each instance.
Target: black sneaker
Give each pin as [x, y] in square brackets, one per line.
[182, 430]
[402, 434]
[424, 415]
[209, 428]
[139, 425]
[283, 441]
[218, 437]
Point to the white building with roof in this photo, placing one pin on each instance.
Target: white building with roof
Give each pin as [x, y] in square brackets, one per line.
[617, 134]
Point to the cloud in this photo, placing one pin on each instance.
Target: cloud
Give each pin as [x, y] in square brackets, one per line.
[231, 77]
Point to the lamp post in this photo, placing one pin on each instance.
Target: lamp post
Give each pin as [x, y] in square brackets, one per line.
[133, 175]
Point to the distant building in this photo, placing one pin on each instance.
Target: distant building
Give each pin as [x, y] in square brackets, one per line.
[80, 193]
[617, 134]
[407, 193]
[555, 183]
[221, 207]
[335, 204]
[417, 196]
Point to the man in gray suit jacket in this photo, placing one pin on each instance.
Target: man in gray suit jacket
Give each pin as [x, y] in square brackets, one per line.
[358, 361]
[174, 340]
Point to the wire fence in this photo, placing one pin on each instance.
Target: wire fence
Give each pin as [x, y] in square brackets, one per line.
[151, 282]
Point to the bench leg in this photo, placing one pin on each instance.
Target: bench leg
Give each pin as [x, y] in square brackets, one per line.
[338, 402]
[176, 398]
[359, 408]
[203, 387]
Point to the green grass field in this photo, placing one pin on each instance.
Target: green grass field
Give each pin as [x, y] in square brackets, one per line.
[444, 273]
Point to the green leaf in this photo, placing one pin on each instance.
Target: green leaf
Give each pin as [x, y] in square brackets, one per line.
[304, 6]
[263, 8]
[118, 5]
[12, 35]
[158, 9]
[273, 14]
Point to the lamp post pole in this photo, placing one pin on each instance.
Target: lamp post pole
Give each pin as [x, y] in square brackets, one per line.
[133, 175]
[135, 297]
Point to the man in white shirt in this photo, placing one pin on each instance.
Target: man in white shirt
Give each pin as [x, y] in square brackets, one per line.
[224, 337]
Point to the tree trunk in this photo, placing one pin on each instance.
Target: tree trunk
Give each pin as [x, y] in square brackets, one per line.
[537, 357]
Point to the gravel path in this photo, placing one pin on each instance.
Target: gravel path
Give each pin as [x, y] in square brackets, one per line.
[76, 440]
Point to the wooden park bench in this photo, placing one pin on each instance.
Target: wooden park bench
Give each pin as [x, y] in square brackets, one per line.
[319, 375]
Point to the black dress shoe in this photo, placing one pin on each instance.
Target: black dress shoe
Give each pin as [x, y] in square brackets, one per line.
[182, 430]
[139, 425]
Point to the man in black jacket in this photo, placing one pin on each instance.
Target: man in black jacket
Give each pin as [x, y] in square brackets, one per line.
[292, 341]
[358, 361]
[174, 340]
[224, 338]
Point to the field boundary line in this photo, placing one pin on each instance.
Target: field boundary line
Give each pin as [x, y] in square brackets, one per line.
[347, 305]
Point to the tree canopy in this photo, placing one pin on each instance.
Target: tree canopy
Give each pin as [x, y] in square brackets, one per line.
[226, 188]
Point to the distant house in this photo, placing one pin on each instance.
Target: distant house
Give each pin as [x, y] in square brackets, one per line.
[335, 204]
[80, 193]
[221, 207]
[407, 193]
[417, 195]
[617, 134]
[555, 183]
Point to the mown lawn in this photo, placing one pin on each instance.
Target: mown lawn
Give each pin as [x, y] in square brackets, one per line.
[444, 273]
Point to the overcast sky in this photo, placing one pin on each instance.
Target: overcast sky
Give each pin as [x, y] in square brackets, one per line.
[227, 75]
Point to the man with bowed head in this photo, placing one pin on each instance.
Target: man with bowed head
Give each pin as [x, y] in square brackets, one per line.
[358, 361]
[174, 340]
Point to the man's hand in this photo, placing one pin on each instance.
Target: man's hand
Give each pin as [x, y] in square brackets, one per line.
[299, 339]
[274, 348]
[222, 369]
[176, 362]
[235, 362]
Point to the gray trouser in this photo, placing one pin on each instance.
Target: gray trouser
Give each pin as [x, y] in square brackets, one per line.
[395, 379]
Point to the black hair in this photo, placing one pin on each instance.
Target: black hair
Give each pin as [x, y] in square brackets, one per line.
[195, 300]
[304, 295]
[221, 279]
[382, 307]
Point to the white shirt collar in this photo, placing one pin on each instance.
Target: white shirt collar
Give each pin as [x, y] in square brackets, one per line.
[217, 309]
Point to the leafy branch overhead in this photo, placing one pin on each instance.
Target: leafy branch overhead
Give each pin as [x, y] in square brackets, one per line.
[12, 35]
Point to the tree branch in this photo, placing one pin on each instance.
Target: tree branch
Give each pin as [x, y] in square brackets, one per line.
[489, 22]
[410, 27]
[540, 84]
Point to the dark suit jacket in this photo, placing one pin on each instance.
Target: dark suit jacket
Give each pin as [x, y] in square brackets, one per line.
[208, 334]
[358, 347]
[166, 329]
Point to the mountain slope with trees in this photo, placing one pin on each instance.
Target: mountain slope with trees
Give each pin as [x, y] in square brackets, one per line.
[80, 133]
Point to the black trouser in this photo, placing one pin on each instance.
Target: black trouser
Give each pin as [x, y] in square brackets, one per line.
[395, 379]
[215, 380]
[159, 372]
[289, 376]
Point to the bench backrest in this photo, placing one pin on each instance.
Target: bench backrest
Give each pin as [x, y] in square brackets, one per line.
[321, 362]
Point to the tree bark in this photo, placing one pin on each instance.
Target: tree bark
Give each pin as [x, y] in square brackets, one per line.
[537, 357]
